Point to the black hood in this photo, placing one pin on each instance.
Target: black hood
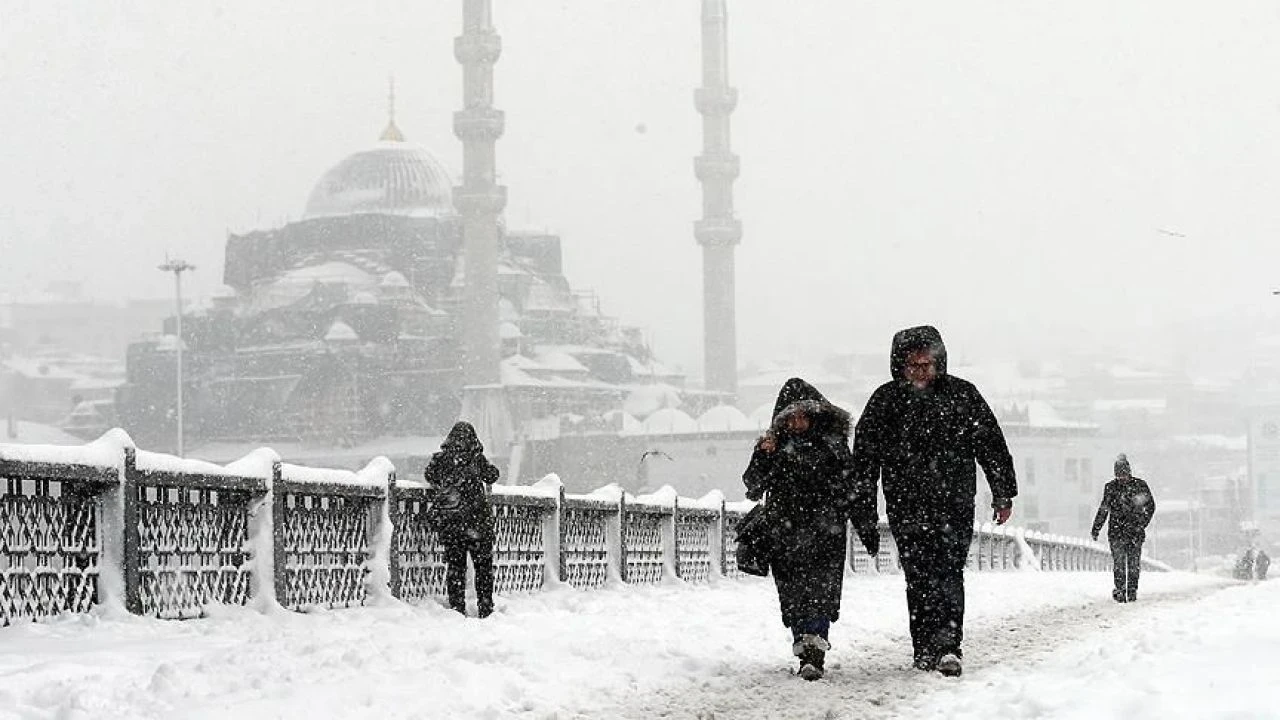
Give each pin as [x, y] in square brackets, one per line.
[798, 395]
[905, 342]
[462, 440]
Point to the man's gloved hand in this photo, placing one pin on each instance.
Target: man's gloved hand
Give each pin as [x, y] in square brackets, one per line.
[1002, 508]
[869, 534]
[1094, 535]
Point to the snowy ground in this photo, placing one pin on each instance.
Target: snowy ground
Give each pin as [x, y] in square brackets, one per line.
[1039, 645]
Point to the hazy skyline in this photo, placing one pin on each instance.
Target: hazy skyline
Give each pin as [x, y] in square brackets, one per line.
[1020, 175]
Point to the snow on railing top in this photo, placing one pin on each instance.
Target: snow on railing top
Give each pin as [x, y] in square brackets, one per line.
[664, 496]
[373, 475]
[259, 463]
[105, 452]
[160, 462]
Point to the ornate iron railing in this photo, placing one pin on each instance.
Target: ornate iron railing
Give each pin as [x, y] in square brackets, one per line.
[167, 538]
[49, 538]
[191, 535]
[584, 541]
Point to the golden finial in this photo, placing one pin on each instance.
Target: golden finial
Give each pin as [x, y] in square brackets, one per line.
[392, 133]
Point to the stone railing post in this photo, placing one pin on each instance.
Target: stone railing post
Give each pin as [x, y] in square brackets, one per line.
[553, 542]
[381, 578]
[670, 552]
[394, 580]
[719, 568]
[130, 540]
[622, 538]
[279, 516]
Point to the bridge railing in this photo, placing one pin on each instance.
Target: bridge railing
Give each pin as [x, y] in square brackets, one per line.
[106, 524]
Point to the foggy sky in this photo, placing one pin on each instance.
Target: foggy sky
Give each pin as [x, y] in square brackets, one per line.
[1027, 176]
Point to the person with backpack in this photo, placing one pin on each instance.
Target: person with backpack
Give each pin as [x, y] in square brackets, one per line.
[458, 478]
[1128, 502]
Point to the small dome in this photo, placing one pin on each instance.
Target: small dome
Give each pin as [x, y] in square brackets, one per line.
[625, 422]
[394, 279]
[724, 417]
[341, 332]
[393, 178]
[669, 421]
[762, 417]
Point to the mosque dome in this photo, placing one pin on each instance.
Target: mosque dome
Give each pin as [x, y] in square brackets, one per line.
[394, 178]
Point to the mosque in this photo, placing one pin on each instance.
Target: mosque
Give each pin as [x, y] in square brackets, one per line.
[401, 301]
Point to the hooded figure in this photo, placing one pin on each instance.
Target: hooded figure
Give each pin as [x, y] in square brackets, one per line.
[1128, 502]
[920, 434]
[458, 478]
[802, 465]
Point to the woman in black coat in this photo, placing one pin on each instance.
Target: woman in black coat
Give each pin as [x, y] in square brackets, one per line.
[801, 466]
[459, 477]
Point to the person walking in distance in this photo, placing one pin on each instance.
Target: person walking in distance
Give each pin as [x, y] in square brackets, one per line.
[458, 478]
[1129, 504]
[921, 434]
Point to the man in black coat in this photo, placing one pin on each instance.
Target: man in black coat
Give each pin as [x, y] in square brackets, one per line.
[459, 477]
[802, 463]
[1129, 503]
[921, 434]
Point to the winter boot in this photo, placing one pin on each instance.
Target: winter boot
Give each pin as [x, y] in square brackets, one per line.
[1132, 596]
[926, 662]
[1119, 596]
[812, 651]
[949, 665]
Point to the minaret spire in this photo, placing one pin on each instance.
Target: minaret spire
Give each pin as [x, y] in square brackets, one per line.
[480, 201]
[719, 230]
[392, 133]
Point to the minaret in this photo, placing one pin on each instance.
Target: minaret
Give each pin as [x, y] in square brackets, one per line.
[479, 199]
[718, 231]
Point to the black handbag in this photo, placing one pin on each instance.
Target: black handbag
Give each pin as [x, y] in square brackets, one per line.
[755, 542]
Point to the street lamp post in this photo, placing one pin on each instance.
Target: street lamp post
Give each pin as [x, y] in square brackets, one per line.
[177, 267]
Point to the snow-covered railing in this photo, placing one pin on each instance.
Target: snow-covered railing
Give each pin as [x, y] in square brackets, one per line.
[106, 524]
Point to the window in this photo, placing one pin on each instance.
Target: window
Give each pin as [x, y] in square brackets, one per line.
[1031, 508]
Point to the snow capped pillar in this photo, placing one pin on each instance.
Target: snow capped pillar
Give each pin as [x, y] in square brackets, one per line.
[114, 560]
[381, 584]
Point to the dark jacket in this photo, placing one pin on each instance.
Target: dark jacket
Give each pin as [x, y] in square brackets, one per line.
[459, 476]
[923, 444]
[1130, 505]
[807, 482]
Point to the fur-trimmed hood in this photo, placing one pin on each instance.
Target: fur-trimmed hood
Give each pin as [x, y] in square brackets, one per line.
[798, 396]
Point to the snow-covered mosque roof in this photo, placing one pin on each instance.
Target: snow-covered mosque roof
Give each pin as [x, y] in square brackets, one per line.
[644, 400]
[393, 177]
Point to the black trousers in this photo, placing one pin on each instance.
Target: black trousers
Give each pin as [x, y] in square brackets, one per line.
[1126, 565]
[455, 557]
[933, 559]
